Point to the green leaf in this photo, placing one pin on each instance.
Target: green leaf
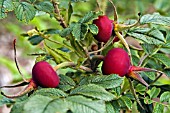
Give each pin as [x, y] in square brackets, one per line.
[140, 88]
[78, 0]
[163, 59]
[5, 6]
[155, 18]
[58, 55]
[80, 104]
[110, 108]
[45, 6]
[165, 97]
[52, 31]
[31, 1]
[79, 50]
[158, 108]
[150, 36]
[57, 106]
[35, 40]
[89, 17]
[50, 92]
[25, 11]
[79, 31]
[94, 91]
[18, 107]
[66, 32]
[70, 11]
[116, 106]
[4, 100]
[93, 29]
[66, 83]
[37, 104]
[127, 102]
[151, 75]
[110, 81]
[154, 92]
[148, 48]
[152, 32]
[147, 100]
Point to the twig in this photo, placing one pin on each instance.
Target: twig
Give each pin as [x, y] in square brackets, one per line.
[101, 49]
[157, 78]
[71, 64]
[15, 58]
[57, 11]
[134, 93]
[142, 59]
[115, 12]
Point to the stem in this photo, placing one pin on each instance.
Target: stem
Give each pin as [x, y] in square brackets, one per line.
[101, 49]
[16, 85]
[125, 44]
[156, 78]
[15, 58]
[64, 45]
[142, 59]
[28, 89]
[121, 27]
[68, 64]
[98, 5]
[115, 12]
[100, 57]
[64, 64]
[57, 11]
[134, 93]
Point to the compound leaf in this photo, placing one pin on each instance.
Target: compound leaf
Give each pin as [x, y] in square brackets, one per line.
[110, 81]
[51, 92]
[5, 6]
[80, 104]
[45, 6]
[163, 59]
[36, 104]
[25, 11]
[155, 18]
[94, 91]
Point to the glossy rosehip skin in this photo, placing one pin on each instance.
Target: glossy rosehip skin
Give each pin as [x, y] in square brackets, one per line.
[44, 75]
[105, 27]
[116, 61]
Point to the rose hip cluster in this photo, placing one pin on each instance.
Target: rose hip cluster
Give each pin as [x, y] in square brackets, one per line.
[117, 60]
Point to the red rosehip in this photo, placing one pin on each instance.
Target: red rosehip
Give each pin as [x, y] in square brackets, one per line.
[105, 27]
[116, 61]
[44, 75]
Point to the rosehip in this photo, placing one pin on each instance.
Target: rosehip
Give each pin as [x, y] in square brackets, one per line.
[44, 75]
[117, 61]
[105, 27]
